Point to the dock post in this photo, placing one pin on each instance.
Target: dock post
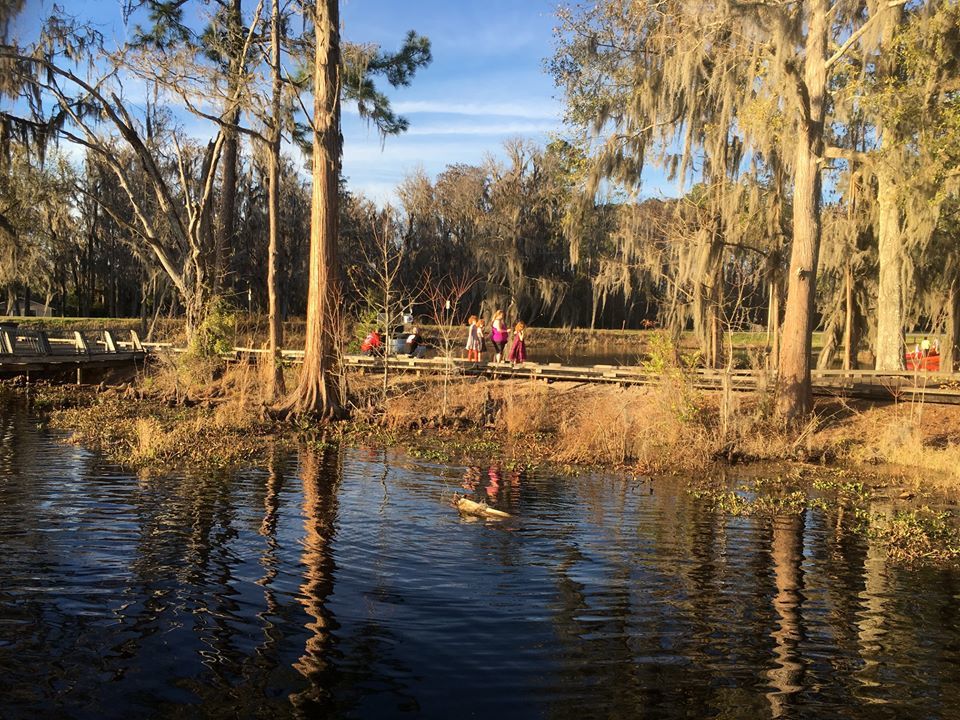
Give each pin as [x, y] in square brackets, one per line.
[81, 343]
[108, 341]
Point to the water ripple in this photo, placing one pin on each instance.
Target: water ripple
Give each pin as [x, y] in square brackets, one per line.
[344, 584]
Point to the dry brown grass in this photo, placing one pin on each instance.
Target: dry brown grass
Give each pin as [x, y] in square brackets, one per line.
[148, 441]
[664, 428]
[525, 408]
[635, 426]
[926, 439]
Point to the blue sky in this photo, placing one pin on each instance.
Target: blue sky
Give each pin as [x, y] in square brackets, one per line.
[486, 84]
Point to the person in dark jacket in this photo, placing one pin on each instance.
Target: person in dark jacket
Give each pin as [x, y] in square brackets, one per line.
[414, 346]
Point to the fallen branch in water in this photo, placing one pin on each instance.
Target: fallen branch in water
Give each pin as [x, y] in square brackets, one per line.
[480, 509]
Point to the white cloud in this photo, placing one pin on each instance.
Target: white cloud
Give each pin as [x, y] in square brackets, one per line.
[381, 193]
[480, 128]
[527, 109]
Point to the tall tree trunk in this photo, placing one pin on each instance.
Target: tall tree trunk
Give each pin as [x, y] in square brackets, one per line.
[849, 333]
[226, 215]
[319, 390]
[795, 398]
[593, 309]
[890, 296]
[275, 386]
[949, 349]
[774, 321]
[890, 292]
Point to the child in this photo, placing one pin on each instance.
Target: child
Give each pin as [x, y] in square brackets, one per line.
[499, 335]
[518, 351]
[481, 343]
[472, 343]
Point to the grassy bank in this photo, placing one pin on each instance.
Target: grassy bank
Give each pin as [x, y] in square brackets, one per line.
[671, 427]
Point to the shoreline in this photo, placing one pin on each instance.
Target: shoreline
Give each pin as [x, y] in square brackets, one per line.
[733, 459]
[566, 425]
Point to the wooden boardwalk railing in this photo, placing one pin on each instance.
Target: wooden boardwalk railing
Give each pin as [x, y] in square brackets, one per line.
[23, 351]
[934, 387]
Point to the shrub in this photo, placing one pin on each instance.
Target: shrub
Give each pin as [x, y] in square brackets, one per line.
[217, 331]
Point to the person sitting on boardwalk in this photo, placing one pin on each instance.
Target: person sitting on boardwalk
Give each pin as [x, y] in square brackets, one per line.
[372, 345]
[518, 350]
[472, 344]
[414, 345]
[499, 335]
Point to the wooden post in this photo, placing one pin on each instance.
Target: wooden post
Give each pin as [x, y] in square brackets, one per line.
[6, 344]
[81, 344]
[108, 341]
[43, 343]
[135, 341]
[79, 374]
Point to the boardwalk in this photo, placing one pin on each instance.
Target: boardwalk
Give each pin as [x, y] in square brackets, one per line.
[867, 384]
[24, 351]
[35, 351]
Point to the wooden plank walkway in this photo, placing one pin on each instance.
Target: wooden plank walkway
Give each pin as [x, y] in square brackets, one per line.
[933, 387]
[25, 351]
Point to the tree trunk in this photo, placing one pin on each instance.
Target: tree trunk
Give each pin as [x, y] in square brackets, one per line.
[319, 390]
[714, 323]
[226, 217]
[950, 352]
[795, 398]
[593, 309]
[890, 296]
[275, 386]
[195, 312]
[774, 322]
[849, 333]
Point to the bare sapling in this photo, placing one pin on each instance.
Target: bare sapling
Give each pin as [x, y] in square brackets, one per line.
[443, 298]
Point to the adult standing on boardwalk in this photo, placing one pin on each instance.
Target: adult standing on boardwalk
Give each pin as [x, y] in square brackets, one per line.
[518, 350]
[499, 334]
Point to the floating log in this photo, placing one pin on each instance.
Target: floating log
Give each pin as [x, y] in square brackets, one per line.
[479, 509]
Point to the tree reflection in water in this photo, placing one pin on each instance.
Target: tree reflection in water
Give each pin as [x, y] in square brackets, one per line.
[320, 472]
[786, 550]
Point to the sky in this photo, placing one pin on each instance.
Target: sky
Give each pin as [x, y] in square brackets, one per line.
[486, 84]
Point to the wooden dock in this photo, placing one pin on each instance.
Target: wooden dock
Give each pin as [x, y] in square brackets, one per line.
[932, 387]
[39, 352]
[36, 351]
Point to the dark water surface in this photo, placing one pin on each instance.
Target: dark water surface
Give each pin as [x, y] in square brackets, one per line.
[342, 584]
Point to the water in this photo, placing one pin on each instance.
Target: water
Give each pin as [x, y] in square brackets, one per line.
[342, 584]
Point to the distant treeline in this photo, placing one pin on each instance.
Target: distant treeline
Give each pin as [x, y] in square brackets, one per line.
[757, 109]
